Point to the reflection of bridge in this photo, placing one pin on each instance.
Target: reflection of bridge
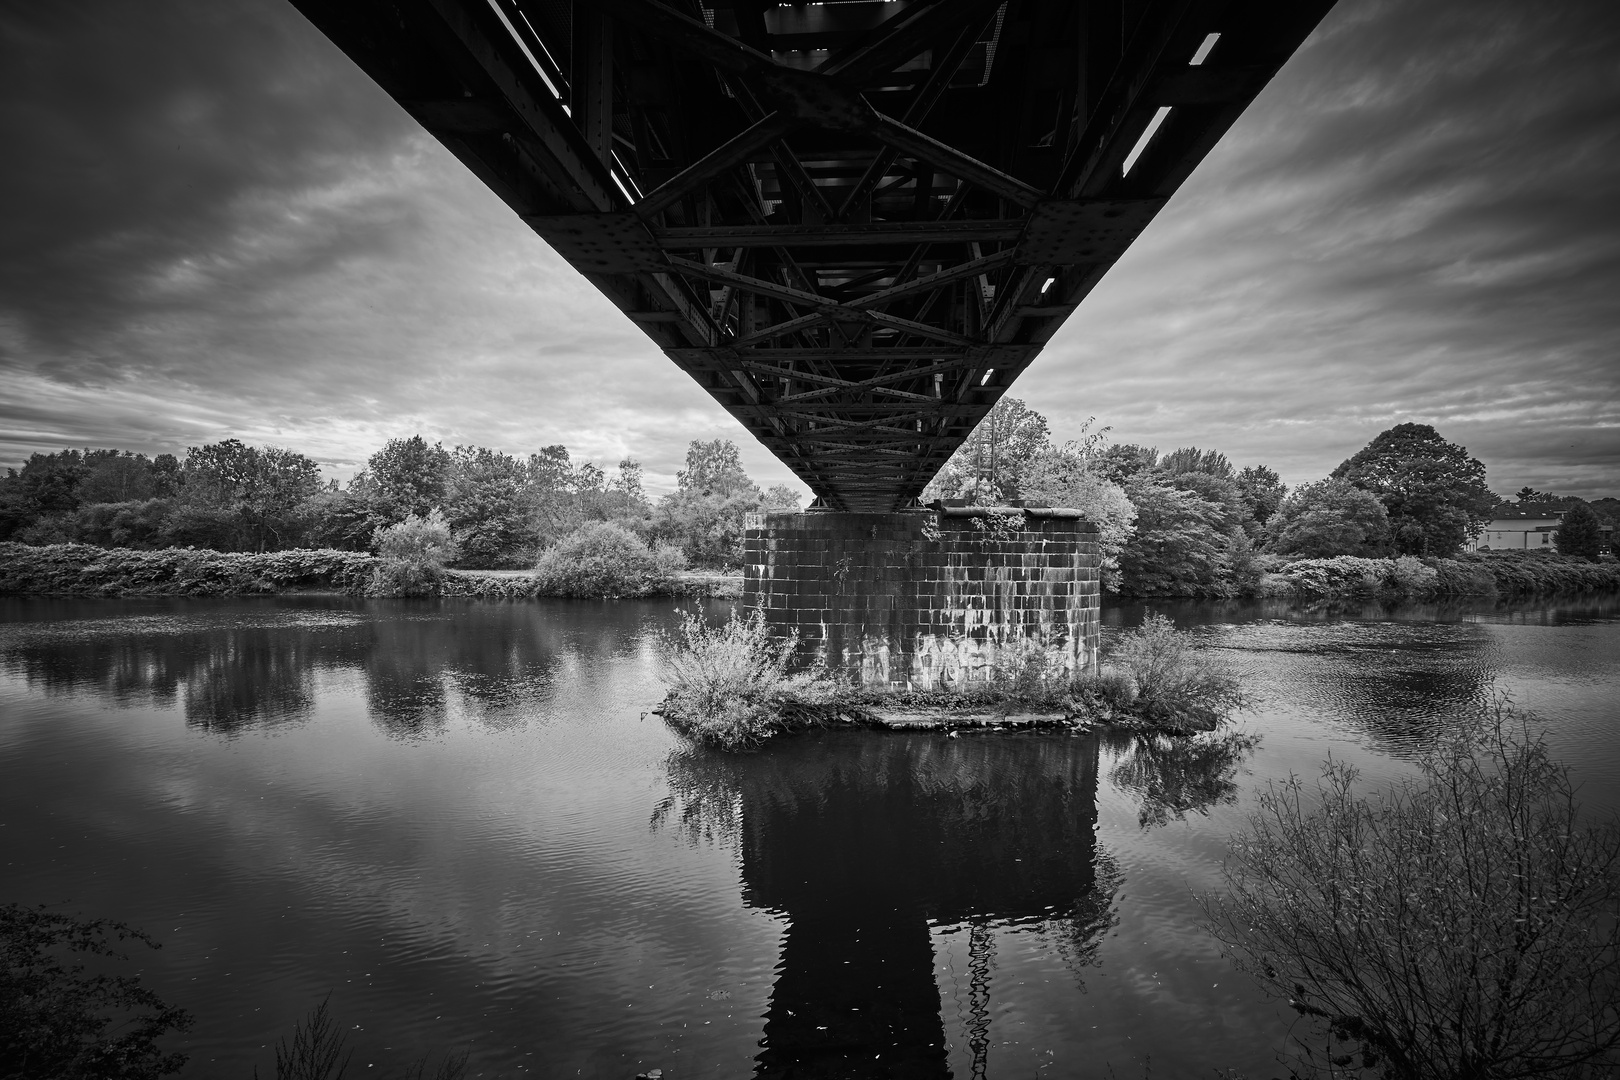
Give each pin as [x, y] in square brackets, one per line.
[853, 223]
[863, 842]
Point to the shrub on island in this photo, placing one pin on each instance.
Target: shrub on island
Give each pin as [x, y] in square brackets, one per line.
[1175, 687]
[731, 687]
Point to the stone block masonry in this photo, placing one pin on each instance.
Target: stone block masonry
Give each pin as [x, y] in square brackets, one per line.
[929, 600]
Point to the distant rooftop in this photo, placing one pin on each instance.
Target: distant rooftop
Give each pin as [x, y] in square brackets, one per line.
[1527, 511]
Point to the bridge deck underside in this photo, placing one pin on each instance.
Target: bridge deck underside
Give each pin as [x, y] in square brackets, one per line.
[853, 223]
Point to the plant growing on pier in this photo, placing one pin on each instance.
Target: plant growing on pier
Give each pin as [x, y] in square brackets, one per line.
[1463, 923]
[994, 527]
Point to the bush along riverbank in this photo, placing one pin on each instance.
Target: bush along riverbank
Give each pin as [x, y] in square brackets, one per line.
[731, 686]
[1407, 578]
[87, 570]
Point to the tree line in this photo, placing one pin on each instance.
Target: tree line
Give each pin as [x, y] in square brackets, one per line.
[1190, 523]
[503, 509]
[1184, 523]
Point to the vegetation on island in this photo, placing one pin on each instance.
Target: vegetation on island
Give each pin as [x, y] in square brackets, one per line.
[735, 684]
[1465, 923]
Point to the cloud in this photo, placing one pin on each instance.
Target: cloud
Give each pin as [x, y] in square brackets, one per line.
[242, 236]
[1415, 221]
[225, 229]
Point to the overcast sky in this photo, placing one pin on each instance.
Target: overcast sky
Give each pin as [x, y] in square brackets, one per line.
[213, 225]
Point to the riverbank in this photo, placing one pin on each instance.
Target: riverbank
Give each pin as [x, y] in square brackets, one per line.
[86, 570]
[1476, 574]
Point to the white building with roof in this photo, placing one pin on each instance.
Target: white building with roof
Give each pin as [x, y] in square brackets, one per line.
[1525, 527]
[1520, 527]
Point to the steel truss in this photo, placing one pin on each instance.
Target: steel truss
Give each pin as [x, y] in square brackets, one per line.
[854, 224]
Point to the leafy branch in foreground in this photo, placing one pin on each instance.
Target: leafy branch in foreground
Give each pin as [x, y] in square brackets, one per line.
[1465, 923]
[57, 1021]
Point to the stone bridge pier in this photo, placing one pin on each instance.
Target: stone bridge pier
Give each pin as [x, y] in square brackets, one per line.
[930, 599]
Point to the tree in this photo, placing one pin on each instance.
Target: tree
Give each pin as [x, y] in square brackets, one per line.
[782, 497]
[1216, 489]
[409, 478]
[1579, 533]
[705, 516]
[333, 518]
[49, 483]
[551, 467]
[1181, 543]
[1607, 510]
[116, 476]
[1327, 518]
[246, 497]
[166, 476]
[57, 1020]
[628, 481]
[1124, 461]
[1190, 459]
[988, 467]
[1433, 492]
[1063, 476]
[1461, 924]
[713, 468]
[1262, 491]
[487, 504]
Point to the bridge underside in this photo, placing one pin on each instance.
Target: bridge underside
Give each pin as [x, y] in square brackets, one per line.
[853, 223]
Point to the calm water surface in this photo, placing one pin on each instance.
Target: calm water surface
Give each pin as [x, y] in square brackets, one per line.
[457, 821]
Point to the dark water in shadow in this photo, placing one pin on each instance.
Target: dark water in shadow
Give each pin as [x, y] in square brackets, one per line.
[456, 819]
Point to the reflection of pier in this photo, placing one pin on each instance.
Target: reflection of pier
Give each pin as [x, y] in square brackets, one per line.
[863, 841]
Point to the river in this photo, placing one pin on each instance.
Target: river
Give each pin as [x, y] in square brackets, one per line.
[458, 821]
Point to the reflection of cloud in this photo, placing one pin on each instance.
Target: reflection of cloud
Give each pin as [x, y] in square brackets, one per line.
[226, 229]
[474, 878]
